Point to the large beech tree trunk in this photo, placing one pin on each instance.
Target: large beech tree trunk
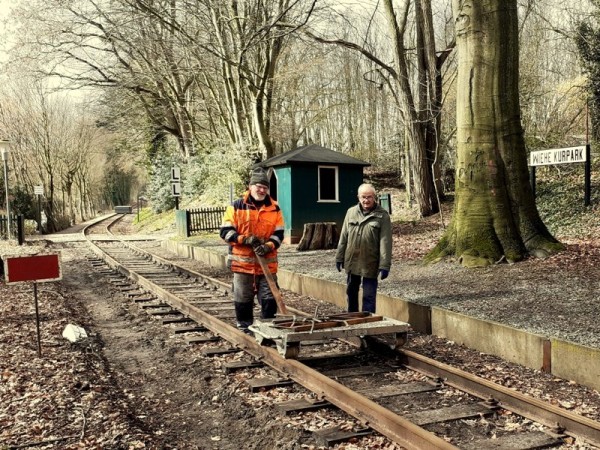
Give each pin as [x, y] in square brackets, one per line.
[495, 216]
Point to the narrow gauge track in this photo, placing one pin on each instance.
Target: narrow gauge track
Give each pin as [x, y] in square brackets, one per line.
[381, 387]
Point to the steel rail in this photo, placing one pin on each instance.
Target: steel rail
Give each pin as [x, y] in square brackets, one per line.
[526, 406]
[367, 411]
[371, 414]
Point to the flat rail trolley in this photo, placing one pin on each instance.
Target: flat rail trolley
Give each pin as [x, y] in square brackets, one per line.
[287, 333]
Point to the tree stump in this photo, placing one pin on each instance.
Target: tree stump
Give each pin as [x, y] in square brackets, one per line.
[318, 236]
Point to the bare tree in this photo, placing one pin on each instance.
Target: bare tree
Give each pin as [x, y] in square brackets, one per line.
[420, 102]
[54, 145]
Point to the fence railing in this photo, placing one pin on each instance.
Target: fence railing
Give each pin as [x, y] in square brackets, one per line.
[191, 221]
[17, 227]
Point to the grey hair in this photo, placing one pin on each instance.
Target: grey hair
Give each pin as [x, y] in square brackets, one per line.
[366, 187]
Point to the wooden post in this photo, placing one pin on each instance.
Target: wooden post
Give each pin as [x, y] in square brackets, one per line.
[320, 235]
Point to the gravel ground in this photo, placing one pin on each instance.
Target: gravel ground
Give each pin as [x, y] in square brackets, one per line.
[556, 297]
[124, 388]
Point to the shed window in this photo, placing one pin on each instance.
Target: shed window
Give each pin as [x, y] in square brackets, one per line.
[328, 184]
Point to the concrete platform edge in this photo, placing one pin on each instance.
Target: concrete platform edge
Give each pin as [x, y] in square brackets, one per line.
[568, 360]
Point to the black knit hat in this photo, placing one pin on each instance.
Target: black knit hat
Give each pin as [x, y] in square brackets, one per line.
[259, 176]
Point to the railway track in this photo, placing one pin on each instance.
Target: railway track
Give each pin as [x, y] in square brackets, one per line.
[412, 400]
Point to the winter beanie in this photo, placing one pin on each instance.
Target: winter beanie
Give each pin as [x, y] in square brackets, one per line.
[259, 176]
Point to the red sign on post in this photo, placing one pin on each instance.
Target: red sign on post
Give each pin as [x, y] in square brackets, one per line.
[44, 267]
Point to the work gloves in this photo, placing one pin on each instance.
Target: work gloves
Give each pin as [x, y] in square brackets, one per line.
[382, 272]
[262, 249]
[251, 240]
[258, 245]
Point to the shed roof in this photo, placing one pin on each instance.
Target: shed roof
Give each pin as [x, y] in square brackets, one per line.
[312, 153]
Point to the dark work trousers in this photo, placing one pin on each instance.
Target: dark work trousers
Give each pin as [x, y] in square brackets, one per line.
[245, 287]
[369, 286]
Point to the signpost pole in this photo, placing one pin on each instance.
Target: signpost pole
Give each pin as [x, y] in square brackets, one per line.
[37, 319]
[39, 227]
[4, 148]
[39, 191]
[532, 179]
[588, 177]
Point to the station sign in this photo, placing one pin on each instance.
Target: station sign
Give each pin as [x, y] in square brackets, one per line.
[176, 188]
[558, 156]
[175, 181]
[175, 173]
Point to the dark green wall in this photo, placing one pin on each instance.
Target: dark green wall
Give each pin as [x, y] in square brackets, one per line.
[297, 196]
[284, 194]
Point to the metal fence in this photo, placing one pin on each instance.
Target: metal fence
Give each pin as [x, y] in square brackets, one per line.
[192, 221]
[17, 227]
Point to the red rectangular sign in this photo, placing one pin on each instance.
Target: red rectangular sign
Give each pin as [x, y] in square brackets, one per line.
[44, 267]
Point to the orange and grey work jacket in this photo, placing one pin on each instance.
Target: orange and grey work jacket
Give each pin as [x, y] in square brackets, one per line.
[243, 219]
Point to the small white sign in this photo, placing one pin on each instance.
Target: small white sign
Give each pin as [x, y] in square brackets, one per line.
[557, 156]
[38, 190]
[176, 189]
[175, 173]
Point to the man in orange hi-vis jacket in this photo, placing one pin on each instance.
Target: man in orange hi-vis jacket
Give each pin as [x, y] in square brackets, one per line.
[253, 225]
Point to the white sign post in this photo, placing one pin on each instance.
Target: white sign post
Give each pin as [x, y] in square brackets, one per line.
[39, 191]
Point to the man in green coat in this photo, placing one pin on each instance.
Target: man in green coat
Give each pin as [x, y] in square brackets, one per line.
[365, 248]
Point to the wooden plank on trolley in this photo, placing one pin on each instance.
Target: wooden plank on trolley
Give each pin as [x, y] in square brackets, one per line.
[393, 391]
[449, 413]
[257, 384]
[525, 440]
[332, 436]
[357, 321]
[302, 405]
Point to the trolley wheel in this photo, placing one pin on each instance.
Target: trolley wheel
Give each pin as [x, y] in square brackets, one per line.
[291, 351]
[400, 340]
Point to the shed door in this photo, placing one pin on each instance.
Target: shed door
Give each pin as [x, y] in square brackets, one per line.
[273, 185]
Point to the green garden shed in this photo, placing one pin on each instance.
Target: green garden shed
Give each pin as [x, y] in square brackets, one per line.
[313, 184]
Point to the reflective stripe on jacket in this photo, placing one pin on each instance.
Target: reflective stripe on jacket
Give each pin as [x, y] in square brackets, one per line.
[365, 243]
[243, 219]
